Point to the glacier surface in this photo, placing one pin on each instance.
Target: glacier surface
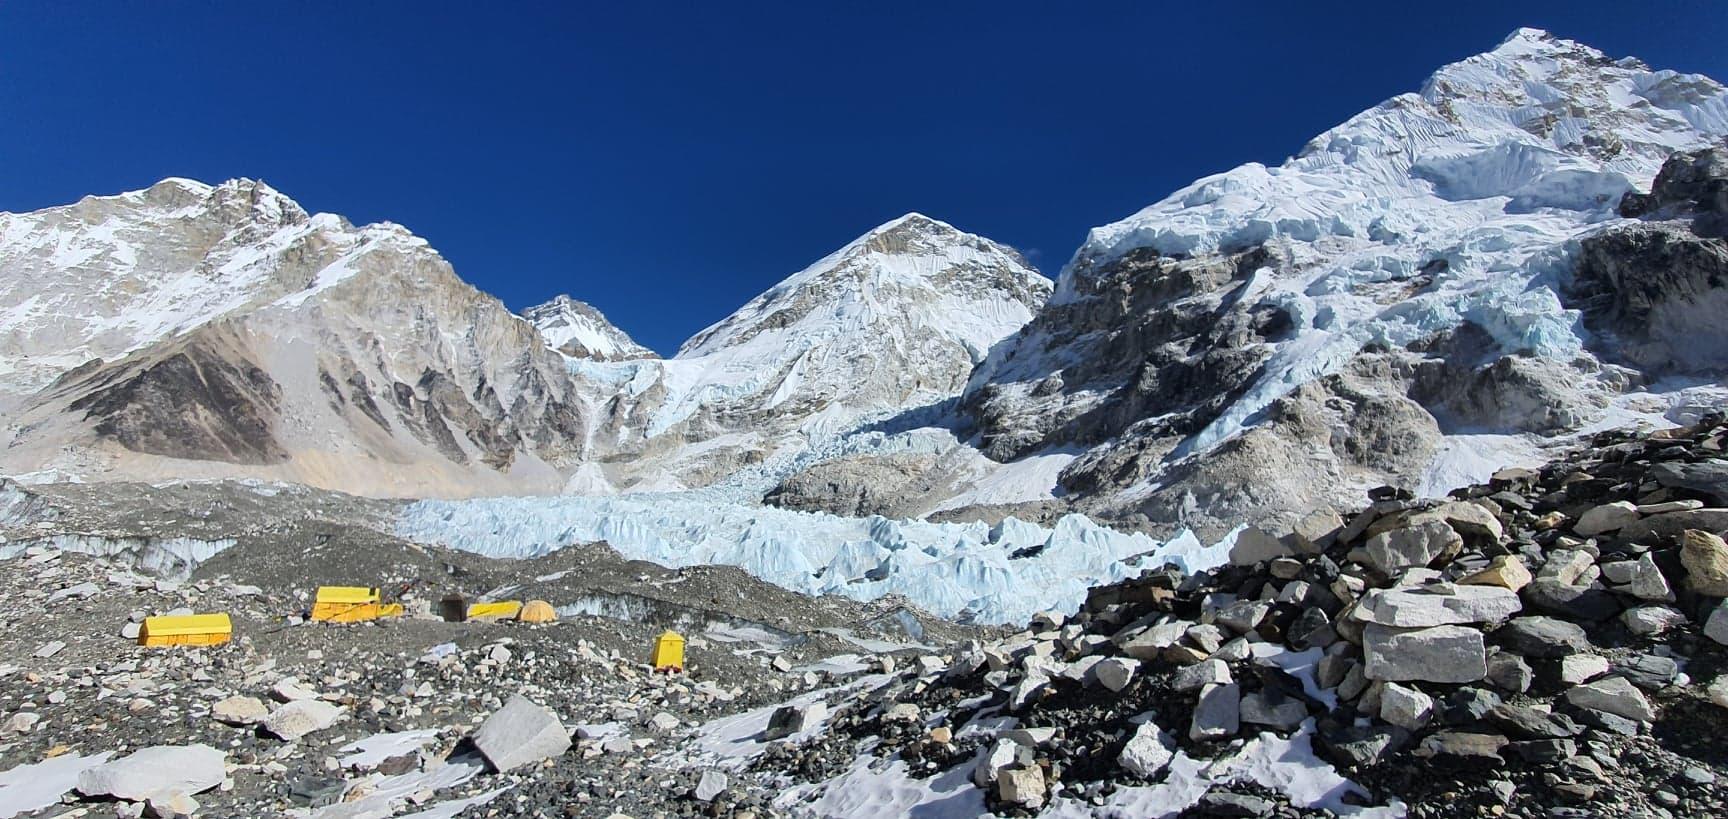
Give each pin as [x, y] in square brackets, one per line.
[994, 574]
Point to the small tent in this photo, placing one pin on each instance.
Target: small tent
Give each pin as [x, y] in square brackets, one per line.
[537, 611]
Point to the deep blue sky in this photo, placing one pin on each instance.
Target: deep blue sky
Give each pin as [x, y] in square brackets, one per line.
[667, 161]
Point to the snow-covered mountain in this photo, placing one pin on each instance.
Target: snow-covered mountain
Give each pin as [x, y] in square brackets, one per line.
[895, 319]
[1439, 286]
[196, 331]
[578, 330]
[112, 274]
[191, 331]
[1394, 302]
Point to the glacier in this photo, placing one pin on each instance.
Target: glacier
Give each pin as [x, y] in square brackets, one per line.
[970, 571]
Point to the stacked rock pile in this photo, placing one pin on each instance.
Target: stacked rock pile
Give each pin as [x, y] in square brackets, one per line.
[1546, 644]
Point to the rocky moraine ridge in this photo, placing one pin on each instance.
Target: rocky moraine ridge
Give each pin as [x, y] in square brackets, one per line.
[1551, 644]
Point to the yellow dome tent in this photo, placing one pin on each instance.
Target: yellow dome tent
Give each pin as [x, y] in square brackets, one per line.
[537, 611]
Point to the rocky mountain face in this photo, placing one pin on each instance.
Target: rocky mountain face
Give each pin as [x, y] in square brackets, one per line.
[190, 331]
[578, 330]
[247, 339]
[1446, 267]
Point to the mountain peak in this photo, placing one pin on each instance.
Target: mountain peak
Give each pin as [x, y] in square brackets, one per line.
[1526, 36]
[579, 330]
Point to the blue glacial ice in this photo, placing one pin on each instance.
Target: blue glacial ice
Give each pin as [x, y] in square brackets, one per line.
[991, 574]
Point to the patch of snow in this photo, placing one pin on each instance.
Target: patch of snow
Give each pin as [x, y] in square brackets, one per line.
[1300, 664]
[1289, 766]
[1032, 478]
[870, 789]
[30, 788]
[455, 807]
[731, 742]
[368, 752]
[385, 793]
[1466, 459]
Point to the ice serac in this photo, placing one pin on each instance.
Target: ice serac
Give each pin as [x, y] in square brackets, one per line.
[195, 331]
[893, 320]
[1391, 304]
[994, 574]
[579, 330]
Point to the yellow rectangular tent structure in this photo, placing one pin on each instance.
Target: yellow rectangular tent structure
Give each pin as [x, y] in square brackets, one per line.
[351, 604]
[669, 652]
[186, 630]
[500, 610]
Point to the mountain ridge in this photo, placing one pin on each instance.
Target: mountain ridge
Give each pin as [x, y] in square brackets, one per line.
[255, 339]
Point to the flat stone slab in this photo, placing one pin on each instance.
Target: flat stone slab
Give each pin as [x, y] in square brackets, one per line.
[521, 733]
[156, 771]
[1442, 654]
[1420, 608]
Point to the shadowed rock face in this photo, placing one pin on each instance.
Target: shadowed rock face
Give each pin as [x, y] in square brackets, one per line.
[193, 403]
[1147, 337]
[1655, 293]
[1691, 183]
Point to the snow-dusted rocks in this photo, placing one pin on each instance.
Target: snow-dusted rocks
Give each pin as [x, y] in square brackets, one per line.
[178, 304]
[167, 310]
[521, 733]
[896, 319]
[156, 772]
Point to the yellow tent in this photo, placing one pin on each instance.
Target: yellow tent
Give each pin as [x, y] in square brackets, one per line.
[669, 652]
[351, 604]
[537, 611]
[186, 630]
[500, 610]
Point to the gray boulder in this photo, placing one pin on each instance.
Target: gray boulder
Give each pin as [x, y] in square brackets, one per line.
[1423, 606]
[1444, 654]
[1613, 695]
[1543, 637]
[1419, 545]
[521, 733]
[1218, 713]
